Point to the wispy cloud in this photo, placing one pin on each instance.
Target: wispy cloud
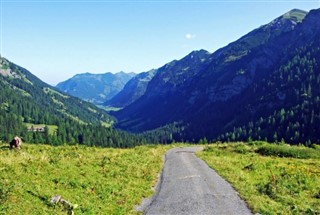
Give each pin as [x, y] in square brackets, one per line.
[190, 36]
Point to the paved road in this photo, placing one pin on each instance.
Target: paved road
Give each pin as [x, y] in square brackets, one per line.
[189, 186]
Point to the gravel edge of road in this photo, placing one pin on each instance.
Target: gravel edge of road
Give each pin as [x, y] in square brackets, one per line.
[147, 202]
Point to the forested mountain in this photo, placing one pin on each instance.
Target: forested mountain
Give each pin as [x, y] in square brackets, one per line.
[284, 105]
[263, 86]
[27, 102]
[133, 90]
[95, 88]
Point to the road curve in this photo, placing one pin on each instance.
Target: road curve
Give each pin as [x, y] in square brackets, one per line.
[189, 186]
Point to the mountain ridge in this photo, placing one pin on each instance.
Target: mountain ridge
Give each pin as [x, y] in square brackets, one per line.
[95, 88]
[207, 103]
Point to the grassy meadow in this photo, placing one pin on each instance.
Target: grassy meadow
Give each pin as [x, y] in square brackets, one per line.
[98, 180]
[272, 179]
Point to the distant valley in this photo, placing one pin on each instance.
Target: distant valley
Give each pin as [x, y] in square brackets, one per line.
[96, 143]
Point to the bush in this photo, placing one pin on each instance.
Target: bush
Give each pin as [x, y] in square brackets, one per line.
[242, 149]
[288, 151]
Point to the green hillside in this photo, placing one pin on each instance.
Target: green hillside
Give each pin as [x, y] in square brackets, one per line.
[26, 101]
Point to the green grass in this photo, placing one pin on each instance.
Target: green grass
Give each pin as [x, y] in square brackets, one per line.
[51, 91]
[23, 92]
[105, 124]
[99, 180]
[92, 110]
[270, 184]
[75, 118]
[109, 108]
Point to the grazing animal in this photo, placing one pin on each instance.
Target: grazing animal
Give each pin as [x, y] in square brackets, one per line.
[16, 142]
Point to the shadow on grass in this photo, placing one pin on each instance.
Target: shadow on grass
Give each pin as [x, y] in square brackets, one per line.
[44, 199]
[4, 147]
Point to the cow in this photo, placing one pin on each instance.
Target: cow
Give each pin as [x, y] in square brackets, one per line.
[16, 143]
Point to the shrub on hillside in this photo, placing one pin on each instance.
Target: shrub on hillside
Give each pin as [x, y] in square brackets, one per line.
[284, 150]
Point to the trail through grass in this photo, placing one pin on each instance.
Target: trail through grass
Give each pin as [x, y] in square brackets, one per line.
[113, 181]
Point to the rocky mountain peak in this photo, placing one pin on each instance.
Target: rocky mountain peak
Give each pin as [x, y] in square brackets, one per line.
[240, 48]
[287, 21]
[6, 70]
[295, 15]
[198, 54]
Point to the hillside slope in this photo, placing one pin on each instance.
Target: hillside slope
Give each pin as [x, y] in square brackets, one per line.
[25, 100]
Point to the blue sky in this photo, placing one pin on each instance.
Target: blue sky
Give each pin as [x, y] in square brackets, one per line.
[56, 39]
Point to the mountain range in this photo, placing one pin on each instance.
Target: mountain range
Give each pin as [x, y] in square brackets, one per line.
[95, 88]
[241, 91]
[264, 86]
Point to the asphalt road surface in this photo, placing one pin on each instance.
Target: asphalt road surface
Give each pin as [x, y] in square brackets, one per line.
[189, 186]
